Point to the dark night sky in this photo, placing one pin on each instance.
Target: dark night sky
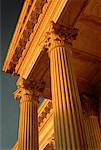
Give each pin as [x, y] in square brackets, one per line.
[9, 109]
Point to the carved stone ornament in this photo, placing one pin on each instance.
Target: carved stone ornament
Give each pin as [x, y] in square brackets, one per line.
[59, 34]
[44, 113]
[28, 88]
[21, 43]
[21, 92]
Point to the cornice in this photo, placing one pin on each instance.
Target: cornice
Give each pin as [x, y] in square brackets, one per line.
[43, 111]
[18, 29]
[22, 36]
[46, 130]
[50, 143]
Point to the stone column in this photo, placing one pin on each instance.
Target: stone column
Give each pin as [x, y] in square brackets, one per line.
[28, 123]
[100, 110]
[93, 131]
[98, 91]
[68, 116]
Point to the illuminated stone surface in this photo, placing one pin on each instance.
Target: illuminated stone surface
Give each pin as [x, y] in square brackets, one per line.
[54, 63]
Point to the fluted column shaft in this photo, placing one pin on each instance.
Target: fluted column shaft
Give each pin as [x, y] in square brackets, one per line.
[68, 117]
[28, 123]
[92, 127]
[100, 110]
[35, 125]
[28, 126]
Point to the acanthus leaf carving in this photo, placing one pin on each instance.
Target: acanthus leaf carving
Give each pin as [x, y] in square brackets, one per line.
[32, 89]
[59, 34]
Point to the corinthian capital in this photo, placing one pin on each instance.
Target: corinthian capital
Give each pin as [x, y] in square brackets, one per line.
[29, 89]
[67, 33]
[89, 106]
[59, 33]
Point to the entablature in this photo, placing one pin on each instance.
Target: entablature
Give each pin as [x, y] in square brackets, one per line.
[44, 112]
[29, 20]
[29, 24]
